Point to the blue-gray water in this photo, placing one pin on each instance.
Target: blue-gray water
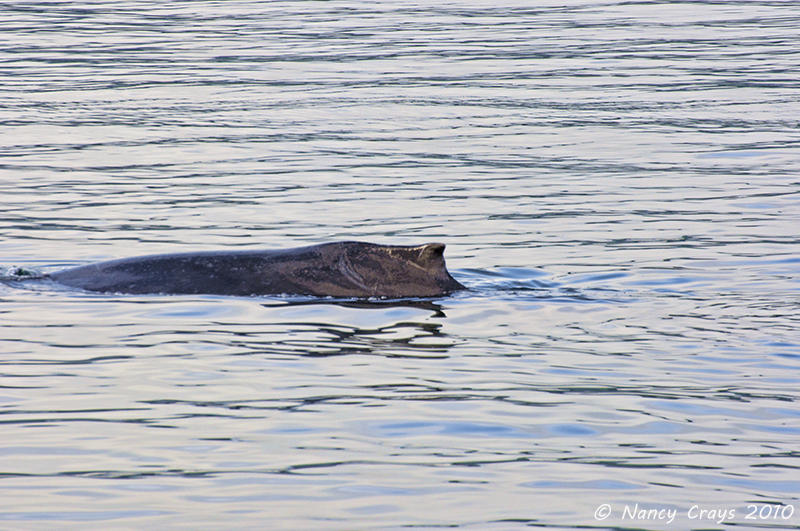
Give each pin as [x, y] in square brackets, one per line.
[617, 182]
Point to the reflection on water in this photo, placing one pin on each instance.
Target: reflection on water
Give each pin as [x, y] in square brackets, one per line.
[616, 184]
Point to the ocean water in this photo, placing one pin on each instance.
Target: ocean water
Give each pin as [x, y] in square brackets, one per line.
[618, 184]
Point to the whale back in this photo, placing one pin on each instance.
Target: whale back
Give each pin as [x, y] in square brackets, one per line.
[339, 269]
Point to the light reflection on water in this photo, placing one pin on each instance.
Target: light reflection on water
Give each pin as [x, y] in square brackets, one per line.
[615, 184]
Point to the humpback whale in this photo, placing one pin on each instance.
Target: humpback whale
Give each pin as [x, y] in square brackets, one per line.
[339, 269]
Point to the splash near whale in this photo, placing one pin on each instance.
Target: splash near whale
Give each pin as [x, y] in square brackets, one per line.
[339, 269]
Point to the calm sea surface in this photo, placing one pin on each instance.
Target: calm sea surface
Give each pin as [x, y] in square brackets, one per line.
[618, 184]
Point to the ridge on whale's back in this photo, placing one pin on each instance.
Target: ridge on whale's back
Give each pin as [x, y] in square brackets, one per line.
[339, 269]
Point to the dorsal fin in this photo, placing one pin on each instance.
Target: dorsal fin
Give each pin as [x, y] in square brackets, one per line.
[431, 253]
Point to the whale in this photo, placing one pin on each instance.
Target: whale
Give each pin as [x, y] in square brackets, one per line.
[347, 269]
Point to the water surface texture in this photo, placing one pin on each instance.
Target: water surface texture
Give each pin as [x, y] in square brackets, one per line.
[617, 182]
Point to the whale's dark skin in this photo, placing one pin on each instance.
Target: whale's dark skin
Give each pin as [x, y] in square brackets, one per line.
[340, 269]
